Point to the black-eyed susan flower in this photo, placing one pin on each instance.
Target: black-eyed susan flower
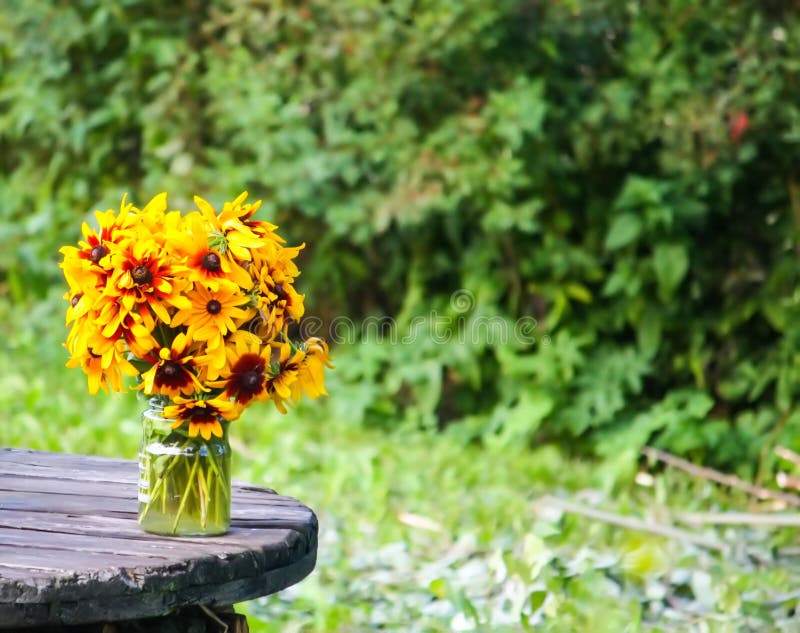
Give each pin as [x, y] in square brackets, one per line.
[91, 257]
[210, 316]
[195, 306]
[311, 373]
[203, 417]
[207, 266]
[244, 378]
[79, 305]
[228, 232]
[244, 212]
[114, 323]
[283, 296]
[156, 222]
[283, 373]
[145, 280]
[172, 371]
[104, 368]
[213, 313]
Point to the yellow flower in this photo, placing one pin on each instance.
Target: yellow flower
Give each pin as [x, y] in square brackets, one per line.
[203, 417]
[145, 277]
[114, 323]
[153, 218]
[212, 312]
[197, 306]
[79, 305]
[206, 265]
[277, 299]
[311, 373]
[93, 332]
[280, 259]
[280, 294]
[97, 377]
[228, 231]
[171, 373]
[244, 377]
[239, 211]
[89, 263]
[88, 267]
[210, 315]
[104, 368]
[283, 373]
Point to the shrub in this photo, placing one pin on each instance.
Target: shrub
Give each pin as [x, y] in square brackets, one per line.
[623, 173]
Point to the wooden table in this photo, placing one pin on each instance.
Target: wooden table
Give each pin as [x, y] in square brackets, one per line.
[71, 551]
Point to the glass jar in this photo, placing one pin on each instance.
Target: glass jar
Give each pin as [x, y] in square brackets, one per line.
[184, 482]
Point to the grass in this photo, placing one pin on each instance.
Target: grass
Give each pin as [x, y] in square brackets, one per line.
[420, 532]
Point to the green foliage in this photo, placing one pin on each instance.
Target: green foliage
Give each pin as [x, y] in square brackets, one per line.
[622, 173]
[421, 533]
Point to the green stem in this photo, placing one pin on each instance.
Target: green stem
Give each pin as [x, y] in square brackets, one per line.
[185, 495]
[162, 479]
[210, 486]
[201, 486]
[212, 460]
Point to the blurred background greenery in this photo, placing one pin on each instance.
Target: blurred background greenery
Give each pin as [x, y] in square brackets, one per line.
[623, 173]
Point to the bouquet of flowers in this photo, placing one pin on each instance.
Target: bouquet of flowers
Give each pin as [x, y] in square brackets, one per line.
[196, 306]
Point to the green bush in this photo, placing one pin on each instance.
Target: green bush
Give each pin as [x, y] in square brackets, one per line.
[623, 173]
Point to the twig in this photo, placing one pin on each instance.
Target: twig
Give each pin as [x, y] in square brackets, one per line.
[209, 613]
[784, 480]
[721, 478]
[788, 455]
[778, 519]
[631, 523]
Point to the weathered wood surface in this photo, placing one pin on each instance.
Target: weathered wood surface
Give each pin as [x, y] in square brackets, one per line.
[71, 551]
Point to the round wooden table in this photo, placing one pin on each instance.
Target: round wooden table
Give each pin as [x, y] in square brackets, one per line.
[71, 551]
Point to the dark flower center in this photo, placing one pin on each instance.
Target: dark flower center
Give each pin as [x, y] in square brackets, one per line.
[213, 307]
[211, 262]
[170, 369]
[280, 292]
[202, 415]
[98, 253]
[251, 380]
[141, 275]
[76, 299]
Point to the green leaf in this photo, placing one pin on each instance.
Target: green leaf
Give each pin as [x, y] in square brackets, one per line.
[671, 262]
[535, 554]
[579, 292]
[519, 110]
[648, 334]
[438, 588]
[644, 557]
[503, 216]
[537, 599]
[517, 423]
[624, 230]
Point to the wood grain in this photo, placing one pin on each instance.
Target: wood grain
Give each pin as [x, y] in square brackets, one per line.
[71, 551]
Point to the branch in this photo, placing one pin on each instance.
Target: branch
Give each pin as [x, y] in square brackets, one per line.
[788, 455]
[761, 519]
[785, 480]
[631, 523]
[725, 479]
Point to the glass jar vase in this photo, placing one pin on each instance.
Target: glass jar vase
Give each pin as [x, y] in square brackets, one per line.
[184, 482]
